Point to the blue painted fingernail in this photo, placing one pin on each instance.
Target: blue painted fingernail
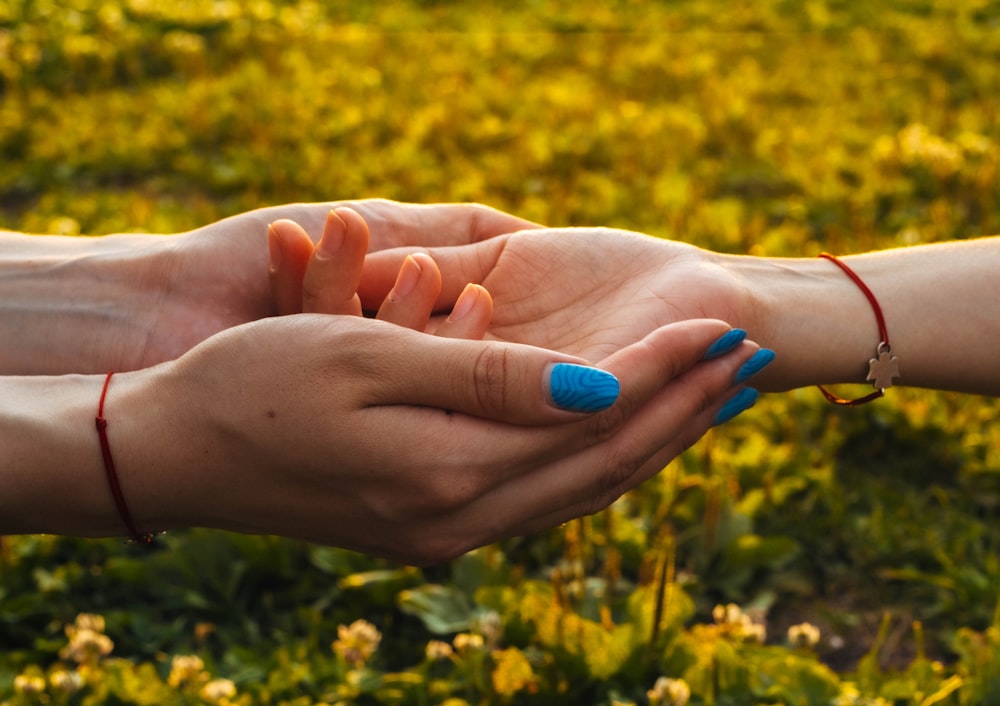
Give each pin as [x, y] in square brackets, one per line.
[740, 402]
[579, 388]
[758, 361]
[727, 342]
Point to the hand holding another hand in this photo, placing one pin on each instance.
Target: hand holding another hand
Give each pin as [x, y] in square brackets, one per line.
[367, 434]
[371, 436]
[379, 438]
[585, 291]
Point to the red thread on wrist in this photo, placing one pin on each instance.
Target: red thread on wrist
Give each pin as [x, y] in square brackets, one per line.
[884, 362]
[109, 470]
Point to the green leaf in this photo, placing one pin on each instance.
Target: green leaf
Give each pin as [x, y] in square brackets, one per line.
[442, 609]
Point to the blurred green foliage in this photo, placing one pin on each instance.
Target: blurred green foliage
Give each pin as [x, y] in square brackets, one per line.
[776, 127]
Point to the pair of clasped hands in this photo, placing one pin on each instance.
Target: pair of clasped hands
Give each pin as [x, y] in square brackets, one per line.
[559, 378]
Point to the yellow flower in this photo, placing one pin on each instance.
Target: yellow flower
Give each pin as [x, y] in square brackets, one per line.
[467, 642]
[734, 622]
[669, 692]
[218, 691]
[436, 650]
[803, 635]
[90, 621]
[513, 672]
[29, 684]
[357, 642]
[66, 681]
[87, 643]
[186, 669]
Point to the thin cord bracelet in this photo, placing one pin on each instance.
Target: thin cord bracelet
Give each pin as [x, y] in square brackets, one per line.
[884, 367]
[137, 537]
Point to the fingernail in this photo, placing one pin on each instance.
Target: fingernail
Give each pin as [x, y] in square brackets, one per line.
[333, 236]
[273, 249]
[409, 275]
[580, 388]
[466, 300]
[725, 343]
[760, 360]
[740, 402]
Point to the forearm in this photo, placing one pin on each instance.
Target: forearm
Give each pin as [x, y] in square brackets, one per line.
[70, 304]
[124, 302]
[941, 305]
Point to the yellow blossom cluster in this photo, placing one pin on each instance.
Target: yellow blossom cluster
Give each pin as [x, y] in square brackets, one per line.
[669, 692]
[804, 635]
[186, 669]
[218, 692]
[87, 641]
[733, 622]
[357, 642]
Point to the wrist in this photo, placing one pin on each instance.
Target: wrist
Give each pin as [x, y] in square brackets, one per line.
[820, 325]
[53, 477]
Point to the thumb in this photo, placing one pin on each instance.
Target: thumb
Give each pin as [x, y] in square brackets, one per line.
[506, 382]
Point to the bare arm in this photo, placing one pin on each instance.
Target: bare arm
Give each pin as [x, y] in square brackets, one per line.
[357, 433]
[124, 302]
[589, 291]
[941, 304]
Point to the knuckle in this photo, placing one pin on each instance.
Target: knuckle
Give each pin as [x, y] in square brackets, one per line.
[604, 426]
[490, 379]
[448, 493]
[436, 494]
[615, 480]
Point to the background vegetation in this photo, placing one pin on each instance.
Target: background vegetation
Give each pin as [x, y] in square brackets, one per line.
[800, 555]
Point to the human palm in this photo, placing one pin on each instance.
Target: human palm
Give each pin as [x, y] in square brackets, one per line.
[587, 292]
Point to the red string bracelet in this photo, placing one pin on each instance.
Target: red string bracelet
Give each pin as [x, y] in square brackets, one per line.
[884, 367]
[109, 469]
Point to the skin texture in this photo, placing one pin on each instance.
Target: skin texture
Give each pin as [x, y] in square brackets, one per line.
[366, 434]
[125, 302]
[356, 433]
[324, 279]
[589, 291]
[374, 436]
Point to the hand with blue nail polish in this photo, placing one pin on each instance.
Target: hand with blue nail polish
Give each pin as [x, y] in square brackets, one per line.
[757, 362]
[361, 433]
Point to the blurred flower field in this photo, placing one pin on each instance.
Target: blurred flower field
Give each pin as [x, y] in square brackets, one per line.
[799, 555]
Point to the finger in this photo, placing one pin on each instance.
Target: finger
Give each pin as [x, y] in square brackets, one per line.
[411, 300]
[495, 380]
[479, 463]
[331, 279]
[641, 450]
[470, 318]
[458, 265]
[575, 485]
[289, 250]
[645, 368]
